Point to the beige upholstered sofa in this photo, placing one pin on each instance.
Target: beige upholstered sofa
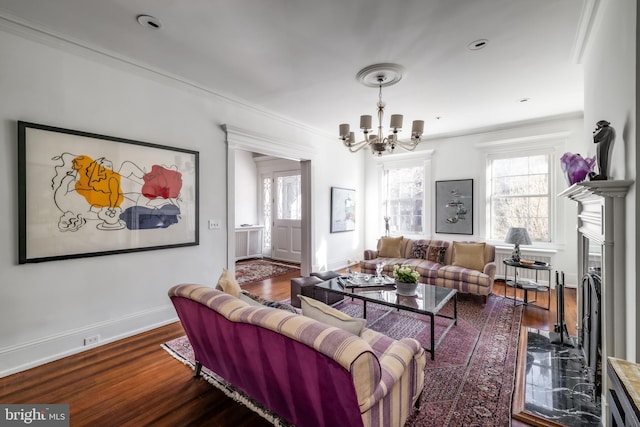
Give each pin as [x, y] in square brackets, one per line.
[307, 372]
[468, 267]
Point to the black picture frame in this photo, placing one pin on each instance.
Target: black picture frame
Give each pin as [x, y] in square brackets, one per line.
[82, 194]
[454, 206]
[343, 209]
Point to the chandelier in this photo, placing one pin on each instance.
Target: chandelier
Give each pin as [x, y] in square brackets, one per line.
[381, 75]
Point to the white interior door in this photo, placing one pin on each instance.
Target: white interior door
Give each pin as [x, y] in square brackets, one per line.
[286, 233]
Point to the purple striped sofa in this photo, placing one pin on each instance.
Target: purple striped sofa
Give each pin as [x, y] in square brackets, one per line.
[304, 371]
[465, 280]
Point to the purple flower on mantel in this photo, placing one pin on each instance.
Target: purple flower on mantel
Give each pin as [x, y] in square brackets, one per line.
[575, 167]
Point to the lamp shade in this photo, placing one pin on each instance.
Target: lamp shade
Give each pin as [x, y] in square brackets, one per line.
[518, 236]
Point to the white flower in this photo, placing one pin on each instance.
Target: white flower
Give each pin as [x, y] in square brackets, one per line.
[404, 273]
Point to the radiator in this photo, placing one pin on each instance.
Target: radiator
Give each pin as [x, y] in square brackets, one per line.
[523, 273]
[249, 242]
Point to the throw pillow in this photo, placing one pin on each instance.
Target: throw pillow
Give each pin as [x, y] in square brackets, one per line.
[436, 254]
[228, 283]
[468, 255]
[258, 300]
[249, 299]
[390, 247]
[420, 250]
[330, 316]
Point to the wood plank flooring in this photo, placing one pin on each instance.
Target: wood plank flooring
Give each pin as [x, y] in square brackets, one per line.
[133, 382]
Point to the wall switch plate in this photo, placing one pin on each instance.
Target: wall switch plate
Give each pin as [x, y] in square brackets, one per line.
[214, 224]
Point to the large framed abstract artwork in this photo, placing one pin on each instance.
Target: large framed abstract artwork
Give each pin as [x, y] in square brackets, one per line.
[82, 194]
[454, 206]
[343, 209]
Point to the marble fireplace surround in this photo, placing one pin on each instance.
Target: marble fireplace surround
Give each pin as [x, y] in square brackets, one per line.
[601, 221]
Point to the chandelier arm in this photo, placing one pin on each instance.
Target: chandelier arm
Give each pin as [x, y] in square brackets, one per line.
[407, 145]
[355, 146]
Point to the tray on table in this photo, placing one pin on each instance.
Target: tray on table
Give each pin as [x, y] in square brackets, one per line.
[360, 281]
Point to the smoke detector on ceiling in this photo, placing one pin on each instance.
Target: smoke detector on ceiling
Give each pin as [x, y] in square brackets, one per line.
[149, 21]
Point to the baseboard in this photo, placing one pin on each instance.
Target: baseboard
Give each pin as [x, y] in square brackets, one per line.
[28, 355]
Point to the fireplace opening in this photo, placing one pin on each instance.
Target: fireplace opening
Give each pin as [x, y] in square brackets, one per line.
[591, 341]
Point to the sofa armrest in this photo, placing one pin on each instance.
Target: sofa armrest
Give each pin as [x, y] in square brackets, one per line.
[490, 270]
[404, 354]
[370, 254]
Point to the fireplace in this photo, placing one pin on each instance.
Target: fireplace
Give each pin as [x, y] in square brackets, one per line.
[601, 262]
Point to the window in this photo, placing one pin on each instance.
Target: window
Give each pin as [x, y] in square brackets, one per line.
[404, 199]
[519, 196]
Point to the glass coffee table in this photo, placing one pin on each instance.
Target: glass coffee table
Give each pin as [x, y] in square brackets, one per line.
[429, 300]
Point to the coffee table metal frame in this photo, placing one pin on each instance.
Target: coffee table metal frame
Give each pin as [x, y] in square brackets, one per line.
[386, 295]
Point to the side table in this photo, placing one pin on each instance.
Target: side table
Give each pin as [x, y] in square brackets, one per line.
[527, 286]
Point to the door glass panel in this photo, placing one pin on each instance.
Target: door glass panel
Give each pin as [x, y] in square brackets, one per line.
[266, 210]
[289, 201]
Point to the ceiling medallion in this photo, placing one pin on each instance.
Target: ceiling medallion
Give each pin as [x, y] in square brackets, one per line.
[381, 75]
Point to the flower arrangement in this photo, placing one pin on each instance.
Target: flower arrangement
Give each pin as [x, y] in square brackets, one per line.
[406, 274]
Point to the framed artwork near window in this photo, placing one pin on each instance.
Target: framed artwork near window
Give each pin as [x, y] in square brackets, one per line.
[454, 206]
[82, 194]
[343, 209]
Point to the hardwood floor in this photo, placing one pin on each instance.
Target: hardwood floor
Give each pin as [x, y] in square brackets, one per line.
[133, 382]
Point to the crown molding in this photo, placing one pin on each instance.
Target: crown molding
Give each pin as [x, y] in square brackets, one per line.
[82, 49]
[590, 11]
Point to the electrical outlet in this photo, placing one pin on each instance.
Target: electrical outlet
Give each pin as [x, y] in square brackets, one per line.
[93, 339]
[214, 224]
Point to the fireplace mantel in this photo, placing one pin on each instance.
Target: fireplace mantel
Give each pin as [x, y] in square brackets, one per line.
[601, 221]
[588, 189]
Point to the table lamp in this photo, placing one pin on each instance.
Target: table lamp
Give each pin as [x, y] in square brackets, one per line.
[518, 236]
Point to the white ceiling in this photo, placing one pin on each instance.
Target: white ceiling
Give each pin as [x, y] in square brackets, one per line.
[299, 58]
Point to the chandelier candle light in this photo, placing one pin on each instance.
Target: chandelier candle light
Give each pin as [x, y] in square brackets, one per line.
[381, 75]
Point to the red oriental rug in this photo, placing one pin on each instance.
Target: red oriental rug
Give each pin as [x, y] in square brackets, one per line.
[471, 380]
[255, 270]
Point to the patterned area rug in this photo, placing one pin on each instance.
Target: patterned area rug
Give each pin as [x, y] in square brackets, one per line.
[471, 380]
[255, 270]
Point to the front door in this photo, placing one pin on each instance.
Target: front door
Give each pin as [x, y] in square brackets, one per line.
[286, 236]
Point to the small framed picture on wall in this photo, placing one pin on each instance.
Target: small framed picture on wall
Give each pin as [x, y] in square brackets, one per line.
[343, 209]
[454, 206]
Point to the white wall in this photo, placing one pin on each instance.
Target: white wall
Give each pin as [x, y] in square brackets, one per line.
[611, 82]
[464, 157]
[246, 179]
[345, 170]
[47, 309]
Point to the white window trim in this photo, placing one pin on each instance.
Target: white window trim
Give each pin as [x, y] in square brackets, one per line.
[551, 144]
[406, 160]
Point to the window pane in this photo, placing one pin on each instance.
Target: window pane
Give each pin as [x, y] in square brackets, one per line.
[520, 196]
[539, 164]
[404, 199]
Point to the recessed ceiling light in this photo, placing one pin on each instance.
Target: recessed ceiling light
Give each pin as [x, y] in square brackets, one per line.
[149, 22]
[478, 44]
